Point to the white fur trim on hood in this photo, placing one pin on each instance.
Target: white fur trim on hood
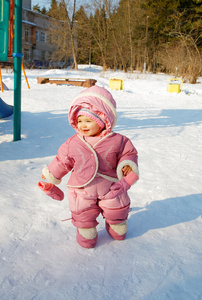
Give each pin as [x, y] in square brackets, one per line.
[101, 97]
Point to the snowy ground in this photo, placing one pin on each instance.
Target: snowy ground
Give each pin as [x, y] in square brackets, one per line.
[161, 256]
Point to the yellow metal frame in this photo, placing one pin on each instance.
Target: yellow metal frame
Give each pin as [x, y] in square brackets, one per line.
[1, 82]
[174, 87]
[25, 75]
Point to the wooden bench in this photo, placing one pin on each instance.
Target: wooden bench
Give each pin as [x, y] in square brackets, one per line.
[70, 81]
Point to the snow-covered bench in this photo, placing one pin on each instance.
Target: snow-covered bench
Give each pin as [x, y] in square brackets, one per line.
[70, 81]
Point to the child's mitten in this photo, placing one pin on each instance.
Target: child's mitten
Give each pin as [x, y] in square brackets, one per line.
[131, 178]
[51, 190]
[121, 186]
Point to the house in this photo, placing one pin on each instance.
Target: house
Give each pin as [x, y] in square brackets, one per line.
[37, 46]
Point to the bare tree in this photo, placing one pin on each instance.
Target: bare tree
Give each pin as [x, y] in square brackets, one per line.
[113, 28]
[98, 27]
[72, 29]
[63, 32]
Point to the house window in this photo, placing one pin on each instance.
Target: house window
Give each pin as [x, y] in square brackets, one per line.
[43, 55]
[50, 38]
[36, 54]
[37, 35]
[26, 54]
[26, 34]
[43, 37]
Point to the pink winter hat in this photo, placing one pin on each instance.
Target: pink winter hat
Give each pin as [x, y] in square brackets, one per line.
[86, 112]
[99, 101]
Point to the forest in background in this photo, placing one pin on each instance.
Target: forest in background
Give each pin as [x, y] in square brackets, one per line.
[144, 35]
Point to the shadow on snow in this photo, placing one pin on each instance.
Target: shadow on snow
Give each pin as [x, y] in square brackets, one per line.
[164, 213]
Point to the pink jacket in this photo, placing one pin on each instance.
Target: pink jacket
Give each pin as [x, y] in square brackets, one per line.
[106, 158]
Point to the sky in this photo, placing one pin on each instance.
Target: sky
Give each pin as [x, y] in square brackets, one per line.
[47, 3]
[41, 3]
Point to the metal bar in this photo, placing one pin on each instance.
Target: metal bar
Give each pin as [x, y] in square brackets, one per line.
[17, 71]
[1, 82]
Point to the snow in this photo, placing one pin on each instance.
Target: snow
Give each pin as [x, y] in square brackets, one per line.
[161, 256]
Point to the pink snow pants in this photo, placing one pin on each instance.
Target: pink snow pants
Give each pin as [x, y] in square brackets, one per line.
[86, 204]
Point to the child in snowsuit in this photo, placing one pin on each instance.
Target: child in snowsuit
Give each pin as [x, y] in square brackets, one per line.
[103, 166]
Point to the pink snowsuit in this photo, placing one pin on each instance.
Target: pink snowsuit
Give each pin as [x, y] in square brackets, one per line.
[96, 183]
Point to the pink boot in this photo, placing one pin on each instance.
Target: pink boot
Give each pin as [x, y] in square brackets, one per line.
[51, 190]
[117, 231]
[87, 237]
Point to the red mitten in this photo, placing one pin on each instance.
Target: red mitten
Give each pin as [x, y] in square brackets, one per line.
[51, 190]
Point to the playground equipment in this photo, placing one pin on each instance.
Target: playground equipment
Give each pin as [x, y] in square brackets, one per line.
[5, 109]
[25, 75]
[1, 82]
[4, 17]
[174, 85]
[11, 44]
[116, 83]
[3, 87]
[7, 26]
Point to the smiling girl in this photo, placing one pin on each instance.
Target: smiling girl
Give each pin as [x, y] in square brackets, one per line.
[103, 166]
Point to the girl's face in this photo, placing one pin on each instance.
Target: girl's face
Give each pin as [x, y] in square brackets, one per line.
[87, 126]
